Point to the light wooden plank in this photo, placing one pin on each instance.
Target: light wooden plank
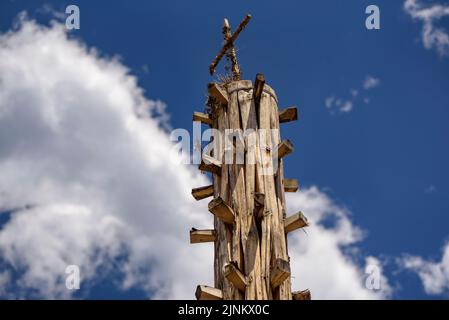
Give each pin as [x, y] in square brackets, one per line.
[203, 118]
[208, 293]
[294, 222]
[201, 236]
[288, 114]
[218, 93]
[221, 210]
[235, 276]
[203, 192]
[284, 148]
[280, 272]
[302, 295]
[291, 185]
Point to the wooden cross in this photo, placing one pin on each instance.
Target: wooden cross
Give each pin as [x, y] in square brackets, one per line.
[228, 47]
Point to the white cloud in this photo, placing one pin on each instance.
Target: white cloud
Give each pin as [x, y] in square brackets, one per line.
[434, 275]
[91, 173]
[317, 258]
[370, 82]
[433, 37]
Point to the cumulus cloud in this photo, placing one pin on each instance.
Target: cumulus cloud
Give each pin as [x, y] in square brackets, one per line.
[434, 275]
[370, 82]
[433, 37]
[346, 105]
[85, 168]
[318, 260]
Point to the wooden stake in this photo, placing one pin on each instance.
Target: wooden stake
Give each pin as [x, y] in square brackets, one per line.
[201, 236]
[218, 93]
[235, 276]
[294, 222]
[284, 148]
[291, 185]
[280, 272]
[288, 114]
[203, 118]
[208, 293]
[221, 210]
[302, 295]
[203, 192]
[258, 88]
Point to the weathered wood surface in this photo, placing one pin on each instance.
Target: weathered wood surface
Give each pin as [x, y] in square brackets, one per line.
[296, 221]
[203, 118]
[302, 295]
[291, 185]
[251, 257]
[203, 192]
[288, 114]
[201, 236]
[208, 293]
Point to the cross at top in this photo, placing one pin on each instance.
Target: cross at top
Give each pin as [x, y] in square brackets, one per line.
[228, 47]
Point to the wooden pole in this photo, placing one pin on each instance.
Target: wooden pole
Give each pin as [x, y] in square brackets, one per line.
[250, 228]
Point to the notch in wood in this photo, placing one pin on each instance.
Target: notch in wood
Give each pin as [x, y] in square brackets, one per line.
[203, 118]
[291, 185]
[296, 221]
[203, 192]
[202, 236]
[302, 295]
[235, 276]
[221, 210]
[288, 114]
[284, 148]
[258, 88]
[218, 93]
[280, 272]
[259, 204]
[208, 293]
[210, 164]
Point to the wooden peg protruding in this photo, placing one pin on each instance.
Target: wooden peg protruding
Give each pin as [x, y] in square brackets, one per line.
[235, 276]
[201, 236]
[202, 117]
[221, 210]
[210, 164]
[280, 272]
[208, 293]
[203, 192]
[296, 221]
[288, 114]
[284, 148]
[218, 93]
[291, 185]
[301, 295]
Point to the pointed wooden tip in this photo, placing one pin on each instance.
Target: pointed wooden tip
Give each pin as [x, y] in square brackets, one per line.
[302, 295]
[203, 192]
[202, 236]
[280, 272]
[258, 88]
[288, 114]
[291, 185]
[208, 293]
[235, 276]
[221, 210]
[296, 221]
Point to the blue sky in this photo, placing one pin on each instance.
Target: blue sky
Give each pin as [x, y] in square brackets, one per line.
[386, 160]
